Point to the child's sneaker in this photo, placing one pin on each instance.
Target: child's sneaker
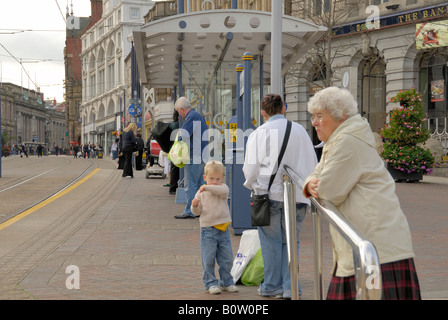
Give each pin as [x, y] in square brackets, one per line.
[231, 288]
[214, 290]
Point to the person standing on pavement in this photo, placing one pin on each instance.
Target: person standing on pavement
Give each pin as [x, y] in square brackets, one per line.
[75, 151]
[39, 150]
[262, 150]
[352, 176]
[114, 149]
[129, 146]
[210, 203]
[192, 129]
[85, 149]
[174, 171]
[139, 157]
[149, 159]
[120, 153]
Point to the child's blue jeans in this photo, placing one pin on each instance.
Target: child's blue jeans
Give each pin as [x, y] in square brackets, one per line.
[215, 244]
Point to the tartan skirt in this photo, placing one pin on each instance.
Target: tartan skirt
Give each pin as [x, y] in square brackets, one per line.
[399, 282]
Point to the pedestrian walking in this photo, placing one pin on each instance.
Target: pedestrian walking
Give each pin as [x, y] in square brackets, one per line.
[210, 203]
[353, 177]
[193, 129]
[23, 151]
[262, 151]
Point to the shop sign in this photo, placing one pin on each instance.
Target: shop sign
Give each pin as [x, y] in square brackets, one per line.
[411, 16]
[431, 34]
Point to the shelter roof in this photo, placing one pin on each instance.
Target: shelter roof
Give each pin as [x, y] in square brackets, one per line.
[215, 40]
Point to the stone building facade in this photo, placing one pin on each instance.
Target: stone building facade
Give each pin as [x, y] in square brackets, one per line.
[27, 118]
[376, 54]
[105, 46]
[76, 27]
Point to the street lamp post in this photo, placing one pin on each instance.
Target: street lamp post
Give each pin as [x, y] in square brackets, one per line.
[276, 47]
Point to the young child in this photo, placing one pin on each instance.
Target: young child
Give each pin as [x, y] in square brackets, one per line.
[210, 203]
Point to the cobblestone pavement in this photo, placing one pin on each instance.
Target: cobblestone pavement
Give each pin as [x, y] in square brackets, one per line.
[121, 236]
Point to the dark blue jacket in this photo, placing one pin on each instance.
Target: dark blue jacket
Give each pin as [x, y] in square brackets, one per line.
[195, 126]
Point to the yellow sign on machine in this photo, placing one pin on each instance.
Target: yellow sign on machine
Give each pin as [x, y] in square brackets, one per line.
[232, 132]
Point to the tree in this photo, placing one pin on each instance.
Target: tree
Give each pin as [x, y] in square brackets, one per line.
[317, 68]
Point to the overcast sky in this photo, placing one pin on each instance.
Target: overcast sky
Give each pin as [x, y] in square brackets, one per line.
[34, 31]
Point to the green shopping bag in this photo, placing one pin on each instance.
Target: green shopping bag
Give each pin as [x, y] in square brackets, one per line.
[179, 153]
[253, 275]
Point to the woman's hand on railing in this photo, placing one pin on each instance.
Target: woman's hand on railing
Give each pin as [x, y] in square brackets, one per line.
[312, 188]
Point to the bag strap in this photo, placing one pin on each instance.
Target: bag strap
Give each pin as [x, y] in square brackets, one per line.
[282, 151]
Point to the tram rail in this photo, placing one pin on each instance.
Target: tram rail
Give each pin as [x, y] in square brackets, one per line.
[20, 186]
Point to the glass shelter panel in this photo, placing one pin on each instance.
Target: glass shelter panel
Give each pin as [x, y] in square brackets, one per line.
[211, 88]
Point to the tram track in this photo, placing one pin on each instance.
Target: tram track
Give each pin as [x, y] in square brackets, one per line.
[37, 183]
[33, 242]
[24, 175]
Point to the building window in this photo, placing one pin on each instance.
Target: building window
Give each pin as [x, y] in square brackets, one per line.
[101, 81]
[135, 13]
[433, 87]
[373, 91]
[321, 7]
[378, 2]
[110, 23]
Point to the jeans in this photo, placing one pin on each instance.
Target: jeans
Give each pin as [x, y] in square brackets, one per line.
[215, 244]
[193, 181]
[273, 242]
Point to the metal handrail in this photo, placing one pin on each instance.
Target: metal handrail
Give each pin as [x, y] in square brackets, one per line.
[365, 256]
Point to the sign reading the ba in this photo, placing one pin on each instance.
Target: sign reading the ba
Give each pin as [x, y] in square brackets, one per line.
[135, 110]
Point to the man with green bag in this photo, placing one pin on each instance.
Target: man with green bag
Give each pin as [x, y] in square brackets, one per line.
[192, 132]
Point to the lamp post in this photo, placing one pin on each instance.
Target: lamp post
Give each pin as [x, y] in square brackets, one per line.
[276, 47]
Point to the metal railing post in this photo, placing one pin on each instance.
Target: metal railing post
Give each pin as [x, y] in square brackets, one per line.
[317, 250]
[291, 234]
[365, 256]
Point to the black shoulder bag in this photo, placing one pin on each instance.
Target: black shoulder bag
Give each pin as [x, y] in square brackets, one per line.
[259, 204]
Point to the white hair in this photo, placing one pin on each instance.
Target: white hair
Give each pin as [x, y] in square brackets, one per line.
[182, 103]
[336, 101]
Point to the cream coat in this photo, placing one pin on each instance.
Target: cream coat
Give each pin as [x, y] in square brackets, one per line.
[353, 177]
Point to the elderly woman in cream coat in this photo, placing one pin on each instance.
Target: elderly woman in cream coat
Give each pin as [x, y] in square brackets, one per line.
[353, 177]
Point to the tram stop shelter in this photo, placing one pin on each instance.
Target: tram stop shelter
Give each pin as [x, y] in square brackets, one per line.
[197, 53]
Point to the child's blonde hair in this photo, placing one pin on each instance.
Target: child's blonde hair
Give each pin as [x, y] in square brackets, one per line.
[215, 166]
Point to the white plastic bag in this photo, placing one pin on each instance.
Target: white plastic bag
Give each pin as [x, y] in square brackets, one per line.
[249, 245]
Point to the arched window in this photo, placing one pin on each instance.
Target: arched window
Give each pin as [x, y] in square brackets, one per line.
[373, 91]
[433, 84]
